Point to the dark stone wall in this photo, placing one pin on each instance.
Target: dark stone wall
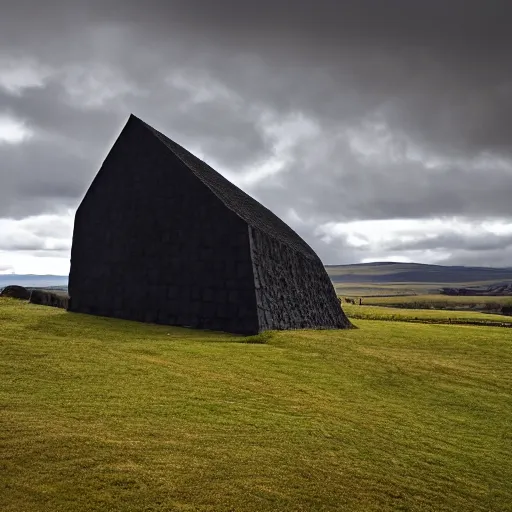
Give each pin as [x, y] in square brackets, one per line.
[293, 291]
[47, 298]
[15, 292]
[506, 310]
[152, 243]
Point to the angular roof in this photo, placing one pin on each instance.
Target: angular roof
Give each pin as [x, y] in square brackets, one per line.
[247, 208]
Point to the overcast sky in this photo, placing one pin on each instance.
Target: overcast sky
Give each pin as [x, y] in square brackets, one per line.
[378, 129]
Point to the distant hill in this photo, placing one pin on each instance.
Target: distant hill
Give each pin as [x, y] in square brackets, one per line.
[377, 273]
[390, 272]
[34, 281]
[495, 290]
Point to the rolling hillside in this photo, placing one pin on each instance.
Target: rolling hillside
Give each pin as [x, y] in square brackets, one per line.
[383, 278]
[102, 414]
[361, 278]
[416, 273]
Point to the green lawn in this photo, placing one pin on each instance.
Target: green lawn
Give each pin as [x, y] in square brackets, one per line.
[107, 415]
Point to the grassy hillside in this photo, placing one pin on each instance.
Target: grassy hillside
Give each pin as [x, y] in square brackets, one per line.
[367, 279]
[360, 279]
[386, 290]
[416, 273]
[98, 414]
[427, 316]
[437, 301]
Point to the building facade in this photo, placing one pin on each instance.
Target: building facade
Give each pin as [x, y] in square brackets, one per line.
[162, 237]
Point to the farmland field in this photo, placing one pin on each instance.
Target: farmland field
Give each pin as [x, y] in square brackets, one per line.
[446, 306]
[426, 316]
[100, 414]
[439, 301]
[370, 279]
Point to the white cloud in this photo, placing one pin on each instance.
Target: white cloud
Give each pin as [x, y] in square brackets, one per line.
[13, 131]
[397, 258]
[6, 269]
[378, 240]
[286, 134]
[29, 264]
[16, 75]
[36, 245]
[498, 227]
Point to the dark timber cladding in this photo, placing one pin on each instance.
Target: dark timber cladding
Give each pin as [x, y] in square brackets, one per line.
[162, 237]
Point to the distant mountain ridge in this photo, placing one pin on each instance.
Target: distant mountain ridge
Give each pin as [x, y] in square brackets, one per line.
[33, 280]
[491, 290]
[375, 272]
[395, 272]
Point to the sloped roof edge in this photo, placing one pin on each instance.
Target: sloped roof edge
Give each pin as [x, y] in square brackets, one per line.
[245, 206]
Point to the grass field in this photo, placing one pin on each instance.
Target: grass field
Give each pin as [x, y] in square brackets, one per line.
[398, 289]
[370, 279]
[438, 299]
[105, 415]
[426, 316]
[376, 289]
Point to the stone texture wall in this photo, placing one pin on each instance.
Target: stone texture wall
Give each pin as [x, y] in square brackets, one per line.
[152, 243]
[15, 292]
[48, 298]
[293, 290]
[161, 237]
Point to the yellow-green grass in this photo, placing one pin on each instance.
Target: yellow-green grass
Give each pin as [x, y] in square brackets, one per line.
[387, 289]
[438, 301]
[372, 289]
[426, 316]
[101, 414]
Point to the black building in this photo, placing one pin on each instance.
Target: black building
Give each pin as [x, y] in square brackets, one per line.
[162, 237]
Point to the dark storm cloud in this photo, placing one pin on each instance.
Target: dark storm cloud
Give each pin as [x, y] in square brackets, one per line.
[437, 69]
[73, 131]
[480, 242]
[341, 186]
[430, 80]
[40, 177]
